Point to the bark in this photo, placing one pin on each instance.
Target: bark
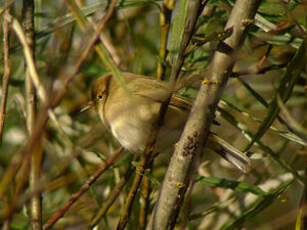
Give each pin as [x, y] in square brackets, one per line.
[196, 130]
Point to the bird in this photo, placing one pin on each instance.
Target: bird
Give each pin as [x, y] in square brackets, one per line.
[130, 107]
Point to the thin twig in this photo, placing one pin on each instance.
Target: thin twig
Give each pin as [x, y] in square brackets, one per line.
[301, 219]
[165, 19]
[22, 179]
[31, 104]
[145, 193]
[269, 49]
[109, 162]
[259, 70]
[58, 96]
[103, 38]
[7, 7]
[33, 74]
[5, 84]
[28, 57]
[31, 68]
[102, 52]
[43, 186]
[6, 223]
[115, 192]
[126, 211]
[60, 93]
[7, 71]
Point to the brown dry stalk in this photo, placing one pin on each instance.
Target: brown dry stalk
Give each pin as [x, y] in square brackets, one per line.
[109, 162]
[7, 71]
[107, 204]
[126, 210]
[10, 173]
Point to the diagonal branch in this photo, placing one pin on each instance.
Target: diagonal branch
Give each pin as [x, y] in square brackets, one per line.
[196, 130]
[15, 164]
[110, 161]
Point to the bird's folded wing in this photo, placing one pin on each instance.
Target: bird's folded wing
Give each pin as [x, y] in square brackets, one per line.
[229, 152]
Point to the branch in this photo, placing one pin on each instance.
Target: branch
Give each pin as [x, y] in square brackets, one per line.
[108, 203]
[196, 130]
[126, 210]
[7, 72]
[165, 20]
[109, 162]
[15, 164]
[31, 105]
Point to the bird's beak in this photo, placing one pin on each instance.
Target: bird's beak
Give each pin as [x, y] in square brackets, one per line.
[88, 106]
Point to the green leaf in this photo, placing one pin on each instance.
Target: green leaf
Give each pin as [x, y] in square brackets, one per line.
[259, 206]
[284, 90]
[238, 186]
[246, 133]
[272, 8]
[177, 29]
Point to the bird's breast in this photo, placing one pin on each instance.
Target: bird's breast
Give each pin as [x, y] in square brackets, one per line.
[131, 122]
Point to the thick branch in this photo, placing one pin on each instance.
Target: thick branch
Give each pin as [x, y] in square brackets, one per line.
[176, 180]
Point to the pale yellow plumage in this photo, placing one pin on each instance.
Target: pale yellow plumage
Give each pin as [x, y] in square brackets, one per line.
[130, 113]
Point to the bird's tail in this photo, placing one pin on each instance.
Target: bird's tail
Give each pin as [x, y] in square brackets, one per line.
[229, 152]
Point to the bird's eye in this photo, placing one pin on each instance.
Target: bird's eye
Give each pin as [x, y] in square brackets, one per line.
[100, 96]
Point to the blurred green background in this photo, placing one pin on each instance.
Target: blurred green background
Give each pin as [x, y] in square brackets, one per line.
[268, 197]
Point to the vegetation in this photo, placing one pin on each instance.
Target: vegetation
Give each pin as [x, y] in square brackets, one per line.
[61, 169]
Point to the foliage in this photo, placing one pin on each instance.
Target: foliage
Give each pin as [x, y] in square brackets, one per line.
[262, 111]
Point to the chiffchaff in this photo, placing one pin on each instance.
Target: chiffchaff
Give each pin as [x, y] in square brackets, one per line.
[130, 112]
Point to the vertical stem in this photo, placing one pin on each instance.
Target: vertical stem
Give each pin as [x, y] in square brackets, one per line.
[28, 25]
[31, 104]
[145, 199]
[301, 219]
[7, 71]
[196, 130]
[113, 196]
[6, 223]
[165, 18]
[126, 210]
[5, 84]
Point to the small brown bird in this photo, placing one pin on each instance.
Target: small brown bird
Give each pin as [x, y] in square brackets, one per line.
[131, 109]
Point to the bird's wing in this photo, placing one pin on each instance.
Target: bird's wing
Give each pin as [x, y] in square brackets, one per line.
[157, 91]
